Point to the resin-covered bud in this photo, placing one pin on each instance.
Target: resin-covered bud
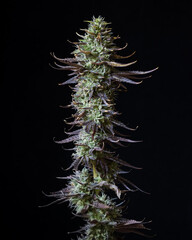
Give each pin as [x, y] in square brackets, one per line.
[96, 180]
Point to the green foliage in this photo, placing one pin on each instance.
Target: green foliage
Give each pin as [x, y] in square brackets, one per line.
[96, 176]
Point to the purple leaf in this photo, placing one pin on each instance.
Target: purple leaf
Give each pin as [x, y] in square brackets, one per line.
[119, 49]
[127, 140]
[123, 57]
[126, 164]
[70, 81]
[63, 67]
[128, 73]
[116, 64]
[120, 124]
[74, 132]
[116, 139]
[132, 184]
[64, 60]
[123, 79]
[67, 140]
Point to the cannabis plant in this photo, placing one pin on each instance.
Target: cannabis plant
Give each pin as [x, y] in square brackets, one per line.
[96, 188]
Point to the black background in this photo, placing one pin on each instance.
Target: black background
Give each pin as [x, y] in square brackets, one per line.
[160, 32]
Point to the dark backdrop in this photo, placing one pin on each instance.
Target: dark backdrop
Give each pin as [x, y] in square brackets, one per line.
[160, 33]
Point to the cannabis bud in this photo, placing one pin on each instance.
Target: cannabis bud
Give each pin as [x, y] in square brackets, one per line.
[97, 170]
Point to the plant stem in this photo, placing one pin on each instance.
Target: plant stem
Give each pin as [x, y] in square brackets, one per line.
[94, 170]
